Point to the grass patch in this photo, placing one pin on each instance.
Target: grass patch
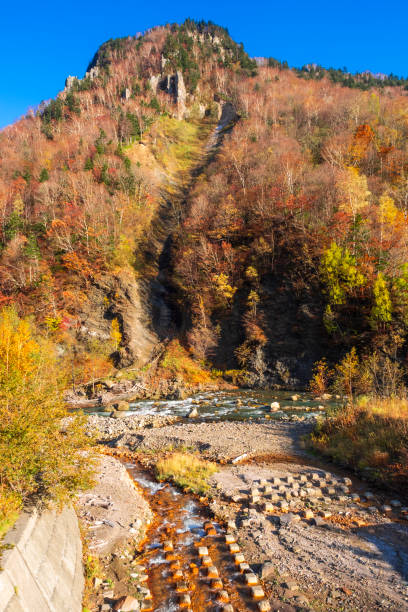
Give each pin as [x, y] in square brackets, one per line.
[178, 144]
[372, 435]
[187, 471]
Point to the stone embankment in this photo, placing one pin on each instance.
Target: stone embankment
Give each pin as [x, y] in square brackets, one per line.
[42, 564]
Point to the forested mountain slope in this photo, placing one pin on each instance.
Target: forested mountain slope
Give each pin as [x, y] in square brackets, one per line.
[134, 213]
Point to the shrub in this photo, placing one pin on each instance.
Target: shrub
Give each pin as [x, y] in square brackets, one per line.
[322, 375]
[371, 434]
[41, 447]
[186, 470]
[177, 362]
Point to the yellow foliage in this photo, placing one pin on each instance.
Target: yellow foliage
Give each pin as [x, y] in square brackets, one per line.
[177, 361]
[40, 452]
[387, 210]
[354, 190]
[222, 287]
[251, 273]
[115, 334]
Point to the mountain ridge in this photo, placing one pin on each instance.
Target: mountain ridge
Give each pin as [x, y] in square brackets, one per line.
[287, 246]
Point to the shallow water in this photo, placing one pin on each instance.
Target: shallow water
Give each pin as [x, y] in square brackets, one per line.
[234, 405]
[179, 518]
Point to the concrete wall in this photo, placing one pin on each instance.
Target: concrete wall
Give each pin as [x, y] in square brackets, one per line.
[42, 572]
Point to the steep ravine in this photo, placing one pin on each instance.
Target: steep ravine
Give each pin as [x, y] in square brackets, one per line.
[165, 314]
[144, 302]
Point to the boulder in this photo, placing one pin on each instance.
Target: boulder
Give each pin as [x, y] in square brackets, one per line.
[127, 604]
[116, 414]
[193, 413]
[275, 406]
[122, 406]
[268, 571]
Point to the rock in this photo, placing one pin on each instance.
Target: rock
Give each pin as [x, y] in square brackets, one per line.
[203, 551]
[127, 604]
[212, 572]
[122, 406]
[234, 548]
[318, 521]
[250, 579]
[264, 606]
[239, 458]
[294, 398]
[116, 414]
[185, 600]
[326, 396]
[395, 503]
[308, 514]
[275, 406]
[268, 571]
[287, 519]
[347, 481]
[223, 597]
[244, 567]
[386, 508]
[193, 414]
[97, 583]
[257, 592]
[109, 384]
[290, 585]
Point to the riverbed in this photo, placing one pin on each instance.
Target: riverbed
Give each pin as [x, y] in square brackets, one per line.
[236, 405]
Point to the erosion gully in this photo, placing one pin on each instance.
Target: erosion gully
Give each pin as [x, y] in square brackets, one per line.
[188, 561]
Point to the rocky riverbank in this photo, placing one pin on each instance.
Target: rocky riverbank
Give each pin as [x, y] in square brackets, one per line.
[115, 517]
[316, 538]
[321, 540]
[219, 441]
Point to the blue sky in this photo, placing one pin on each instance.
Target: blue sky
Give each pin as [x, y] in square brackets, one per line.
[42, 43]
